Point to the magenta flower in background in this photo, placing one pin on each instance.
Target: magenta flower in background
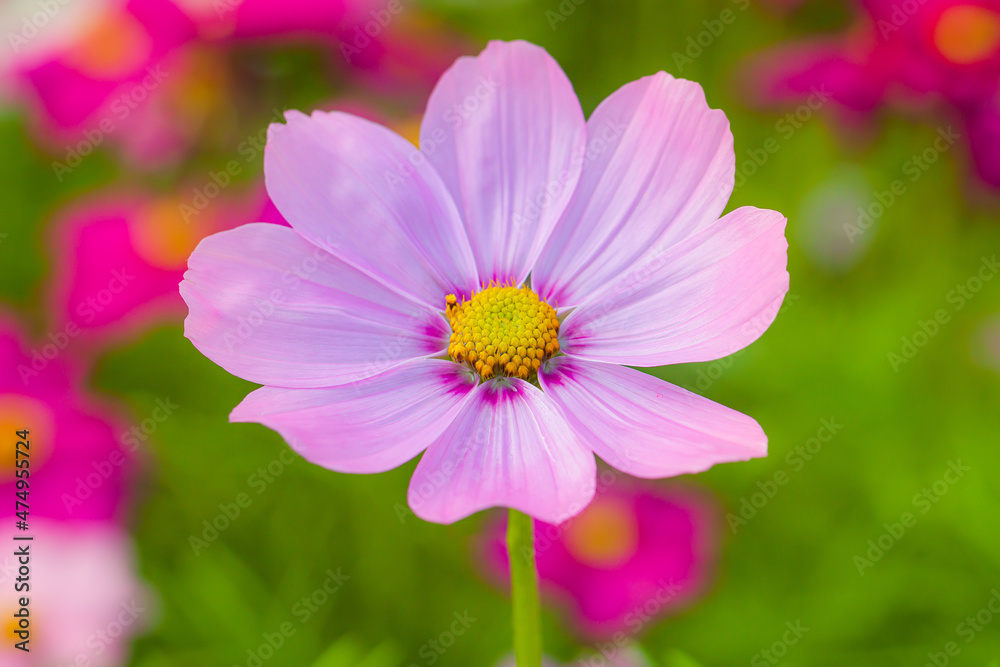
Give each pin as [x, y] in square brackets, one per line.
[120, 256]
[151, 75]
[79, 468]
[90, 71]
[636, 553]
[88, 604]
[942, 52]
[478, 298]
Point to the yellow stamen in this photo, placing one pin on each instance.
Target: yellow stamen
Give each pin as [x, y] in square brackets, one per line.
[502, 330]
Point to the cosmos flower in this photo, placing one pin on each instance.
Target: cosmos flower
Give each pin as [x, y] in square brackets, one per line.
[636, 553]
[120, 256]
[86, 602]
[78, 467]
[903, 54]
[479, 298]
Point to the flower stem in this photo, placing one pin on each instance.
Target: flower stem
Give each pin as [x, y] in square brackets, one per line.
[524, 590]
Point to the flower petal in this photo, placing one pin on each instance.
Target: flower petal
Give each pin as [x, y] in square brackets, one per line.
[505, 131]
[370, 426]
[350, 186]
[644, 426]
[702, 299]
[509, 447]
[659, 167]
[270, 307]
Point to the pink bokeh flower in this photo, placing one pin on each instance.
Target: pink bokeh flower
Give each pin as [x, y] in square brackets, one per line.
[149, 76]
[636, 553]
[78, 466]
[120, 257]
[478, 298]
[86, 599]
[942, 53]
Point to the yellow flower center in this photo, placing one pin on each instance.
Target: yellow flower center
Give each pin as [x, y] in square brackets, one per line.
[605, 535]
[966, 34]
[502, 330]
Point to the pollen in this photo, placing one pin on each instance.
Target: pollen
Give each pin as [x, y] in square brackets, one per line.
[502, 330]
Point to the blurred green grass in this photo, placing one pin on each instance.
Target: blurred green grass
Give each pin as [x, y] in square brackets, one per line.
[824, 357]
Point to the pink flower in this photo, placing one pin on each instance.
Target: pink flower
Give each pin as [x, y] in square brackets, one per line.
[945, 52]
[86, 599]
[122, 255]
[150, 75]
[77, 465]
[634, 554]
[477, 298]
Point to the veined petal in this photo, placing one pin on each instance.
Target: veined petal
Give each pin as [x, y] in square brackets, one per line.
[644, 426]
[659, 167]
[509, 447]
[506, 132]
[369, 426]
[270, 307]
[368, 196]
[702, 299]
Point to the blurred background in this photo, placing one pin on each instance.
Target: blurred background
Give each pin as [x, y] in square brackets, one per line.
[166, 536]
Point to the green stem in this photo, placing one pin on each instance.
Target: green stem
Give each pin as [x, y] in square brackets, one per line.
[524, 590]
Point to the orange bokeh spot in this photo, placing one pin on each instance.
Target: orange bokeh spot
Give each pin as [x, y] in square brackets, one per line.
[967, 34]
[115, 44]
[18, 412]
[162, 237]
[604, 535]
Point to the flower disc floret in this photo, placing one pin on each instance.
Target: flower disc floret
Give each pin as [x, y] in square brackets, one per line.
[502, 330]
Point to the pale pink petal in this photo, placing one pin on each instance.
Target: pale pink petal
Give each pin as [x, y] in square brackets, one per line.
[644, 426]
[368, 196]
[506, 132]
[704, 298]
[270, 307]
[659, 166]
[509, 447]
[369, 426]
